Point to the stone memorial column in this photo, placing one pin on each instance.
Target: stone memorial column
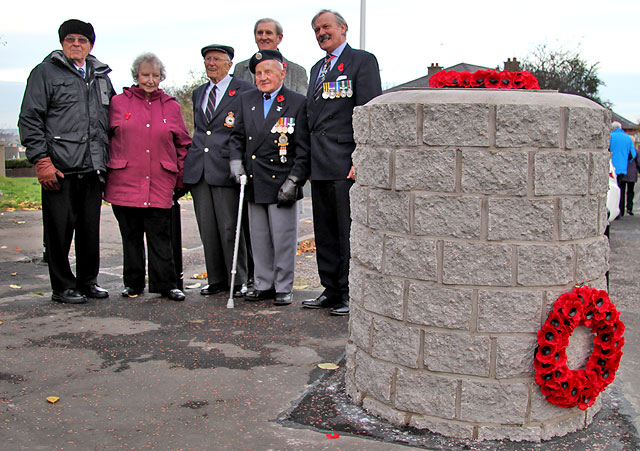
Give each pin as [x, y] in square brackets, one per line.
[473, 210]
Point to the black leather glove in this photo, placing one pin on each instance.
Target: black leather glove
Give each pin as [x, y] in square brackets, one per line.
[288, 192]
[237, 170]
[179, 192]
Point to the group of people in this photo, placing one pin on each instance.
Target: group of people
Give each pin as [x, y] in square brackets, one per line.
[625, 162]
[266, 124]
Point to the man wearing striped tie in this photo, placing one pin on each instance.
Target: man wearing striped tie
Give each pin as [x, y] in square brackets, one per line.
[343, 79]
[63, 124]
[206, 170]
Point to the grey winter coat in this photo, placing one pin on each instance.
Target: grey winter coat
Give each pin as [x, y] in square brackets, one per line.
[66, 117]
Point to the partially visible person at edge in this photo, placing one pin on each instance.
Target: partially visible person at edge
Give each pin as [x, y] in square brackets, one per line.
[343, 79]
[268, 34]
[622, 152]
[206, 171]
[149, 142]
[627, 187]
[63, 124]
[271, 140]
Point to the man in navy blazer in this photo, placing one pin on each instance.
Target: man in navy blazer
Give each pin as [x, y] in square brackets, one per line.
[344, 79]
[271, 140]
[206, 170]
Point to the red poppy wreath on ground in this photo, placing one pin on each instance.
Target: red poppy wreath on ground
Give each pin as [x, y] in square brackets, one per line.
[484, 79]
[565, 387]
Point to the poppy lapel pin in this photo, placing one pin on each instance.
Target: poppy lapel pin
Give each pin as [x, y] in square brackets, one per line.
[127, 116]
[232, 93]
[280, 98]
[341, 67]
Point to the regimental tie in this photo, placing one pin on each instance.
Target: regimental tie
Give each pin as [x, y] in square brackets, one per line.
[317, 93]
[82, 73]
[211, 104]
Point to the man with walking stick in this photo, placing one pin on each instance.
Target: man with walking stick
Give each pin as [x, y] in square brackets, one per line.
[271, 141]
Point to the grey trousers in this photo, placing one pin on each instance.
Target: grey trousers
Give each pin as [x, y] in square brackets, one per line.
[274, 241]
[216, 209]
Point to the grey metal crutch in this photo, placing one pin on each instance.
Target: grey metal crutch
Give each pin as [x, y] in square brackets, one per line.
[243, 182]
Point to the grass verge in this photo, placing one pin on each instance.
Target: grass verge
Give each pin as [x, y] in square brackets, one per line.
[20, 193]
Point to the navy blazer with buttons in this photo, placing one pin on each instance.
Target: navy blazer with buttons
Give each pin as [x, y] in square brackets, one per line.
[330, 120]
[209, 151]
[254, 142]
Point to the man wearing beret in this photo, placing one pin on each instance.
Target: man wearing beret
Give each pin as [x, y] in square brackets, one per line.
[206, 170]
[343, 79]
[268, 34]
[271, 141]
[63, 124]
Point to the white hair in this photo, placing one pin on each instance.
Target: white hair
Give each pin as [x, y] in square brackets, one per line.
[615, 125]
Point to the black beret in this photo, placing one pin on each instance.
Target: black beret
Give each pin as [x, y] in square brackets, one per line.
[264, 55]
[75, 26]
[217, 47]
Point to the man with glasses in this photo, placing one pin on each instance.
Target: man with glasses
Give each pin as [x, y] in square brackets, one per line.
[63, 124]
[206, 170]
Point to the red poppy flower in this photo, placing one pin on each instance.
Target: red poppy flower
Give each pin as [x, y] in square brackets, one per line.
[588, 397]
[492, 80]
[340, 67]
[232, 92]
[437, 80]
[530, 81]
[127, 116]
[480, 76]
[506, 80]
[280, 98]
[284, 64]
[551, 336]
[465, 79]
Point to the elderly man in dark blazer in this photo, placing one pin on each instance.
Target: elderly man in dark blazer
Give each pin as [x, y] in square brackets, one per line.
[206, 170]
[344, 79]
[271, 140]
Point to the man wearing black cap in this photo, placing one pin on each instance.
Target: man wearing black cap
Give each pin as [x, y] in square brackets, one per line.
[343, 79]
[271, 140]
[63, 124]
[206, 170]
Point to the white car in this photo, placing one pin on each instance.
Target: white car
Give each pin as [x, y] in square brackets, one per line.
[613, 195]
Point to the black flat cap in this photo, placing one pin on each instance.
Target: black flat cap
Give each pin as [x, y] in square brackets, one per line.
[217, 47]
[75, 26]
[264, 55]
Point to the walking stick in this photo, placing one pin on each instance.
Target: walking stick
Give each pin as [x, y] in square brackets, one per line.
[243, 182]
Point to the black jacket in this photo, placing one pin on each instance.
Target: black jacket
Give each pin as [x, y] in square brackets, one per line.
[255, 141]
[66, 117]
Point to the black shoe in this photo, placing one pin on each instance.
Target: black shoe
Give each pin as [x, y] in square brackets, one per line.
[341, 309]
[213, 288]
[129, 292]
[239, 290]
[96, 292]
[174, 295]
[283, 298]
[69, 297]
[321, 301]
[259, 295]
[630, 213]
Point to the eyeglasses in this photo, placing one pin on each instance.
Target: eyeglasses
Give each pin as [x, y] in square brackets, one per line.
[216, 59]
[72, 39]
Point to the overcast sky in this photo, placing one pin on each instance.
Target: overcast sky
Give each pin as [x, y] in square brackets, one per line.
[406, 36]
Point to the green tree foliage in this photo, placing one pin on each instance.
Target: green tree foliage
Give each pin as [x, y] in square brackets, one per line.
[564, 70]
[183, 95]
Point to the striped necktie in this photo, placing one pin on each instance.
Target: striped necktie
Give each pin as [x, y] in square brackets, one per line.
[211, 104]
[317, 93]
[82, 73]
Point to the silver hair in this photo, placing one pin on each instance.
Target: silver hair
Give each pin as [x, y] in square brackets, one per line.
[151, 59]
[615, 125]
[339, 19]
[279, 29]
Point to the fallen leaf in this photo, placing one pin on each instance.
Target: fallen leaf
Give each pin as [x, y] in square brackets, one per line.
[11, 209]
[328, 366]
[17, 287]
[18, 249]
[53, 399]
[307, 221]
[300, 287]
[184, 249]
[298, 263]
[1, 323]
[333, 435]
[193, 286]
[3, 247]
[14, 273]
[200, 276]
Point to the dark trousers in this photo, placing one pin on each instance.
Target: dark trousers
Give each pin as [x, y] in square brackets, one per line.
[155, 224]
[626, 193]
[332, 228]
[73, 210]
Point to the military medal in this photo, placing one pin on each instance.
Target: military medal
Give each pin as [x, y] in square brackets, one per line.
[229, 120]
[283, 142]
[325, 90]
[292, 123]
[349, 90]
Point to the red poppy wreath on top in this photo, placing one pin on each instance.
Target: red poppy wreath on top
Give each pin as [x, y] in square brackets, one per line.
[484, 79]
[565, 387]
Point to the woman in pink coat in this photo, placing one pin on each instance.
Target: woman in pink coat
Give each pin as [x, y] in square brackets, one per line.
[148, 144]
